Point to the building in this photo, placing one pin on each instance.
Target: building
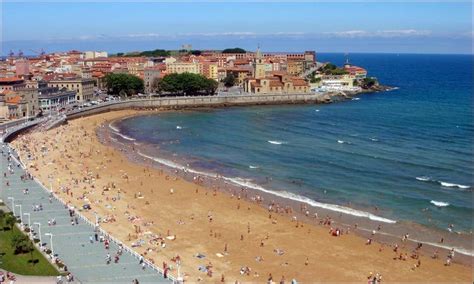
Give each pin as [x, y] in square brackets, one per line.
[343, 82]
[209, 70]
[150, 75]
[295, 67]
[11, 84]
[83, 87]
[277, 84]
[183, 67]
[274, 82]
[240, 74]
[22, 67]
[95, 54]
[259, 66]
[16, 105]
[54, 99]
[356, 71]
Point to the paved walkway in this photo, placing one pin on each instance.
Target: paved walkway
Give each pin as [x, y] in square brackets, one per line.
[85, 260]
[23, 279]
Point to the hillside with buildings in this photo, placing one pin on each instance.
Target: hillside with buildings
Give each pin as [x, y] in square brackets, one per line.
[57, 81]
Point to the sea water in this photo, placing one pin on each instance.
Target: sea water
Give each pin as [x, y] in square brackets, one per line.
[408, 152]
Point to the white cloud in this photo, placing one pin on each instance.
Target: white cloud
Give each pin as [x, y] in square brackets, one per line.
[383, 33]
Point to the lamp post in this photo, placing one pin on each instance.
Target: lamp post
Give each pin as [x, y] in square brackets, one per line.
[96, 219]
[39, 233]
[13, 204]
[50, 242]
[21, 213]
[29, 219]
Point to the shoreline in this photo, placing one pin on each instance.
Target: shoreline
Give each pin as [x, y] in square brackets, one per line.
[346, 217]
[357, 258]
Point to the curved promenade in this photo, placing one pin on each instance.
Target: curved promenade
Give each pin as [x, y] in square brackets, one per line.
[86, 260]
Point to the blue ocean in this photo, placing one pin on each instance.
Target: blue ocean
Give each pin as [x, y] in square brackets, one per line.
[408, 152]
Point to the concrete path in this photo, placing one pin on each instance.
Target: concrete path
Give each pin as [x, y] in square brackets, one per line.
[23, 279]
[85, 260]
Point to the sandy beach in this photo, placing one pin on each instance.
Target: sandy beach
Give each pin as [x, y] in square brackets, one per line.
[164, 216]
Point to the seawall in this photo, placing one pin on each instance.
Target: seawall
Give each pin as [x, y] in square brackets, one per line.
[202, 101]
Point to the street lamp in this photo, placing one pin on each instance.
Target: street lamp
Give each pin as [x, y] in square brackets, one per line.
[29, 219]
[50, 242]
[39, 233]
[96, 219]
[21, 213]
[13, 204]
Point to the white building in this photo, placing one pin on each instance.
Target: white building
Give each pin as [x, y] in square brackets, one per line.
[95, 54]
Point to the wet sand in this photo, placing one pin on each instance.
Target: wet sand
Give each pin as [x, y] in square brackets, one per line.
[145, 203]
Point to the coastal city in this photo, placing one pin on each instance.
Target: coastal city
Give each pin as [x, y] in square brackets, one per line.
[231, 142]
[32, 85]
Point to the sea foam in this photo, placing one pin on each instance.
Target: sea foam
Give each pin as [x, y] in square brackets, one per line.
[439, 203]
[443, 183]
[113, 128]
[423, 178]
[125, 136]
[275, 142]
[284, 194]
[448, 184]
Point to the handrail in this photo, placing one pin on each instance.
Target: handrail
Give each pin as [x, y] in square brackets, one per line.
[101, 230]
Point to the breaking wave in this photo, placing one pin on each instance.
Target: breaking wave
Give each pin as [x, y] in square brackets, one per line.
[443, 183]
[275, 142]
[439, 203]
[284, 194]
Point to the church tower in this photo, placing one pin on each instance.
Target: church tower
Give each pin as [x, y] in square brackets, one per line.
[259, 65]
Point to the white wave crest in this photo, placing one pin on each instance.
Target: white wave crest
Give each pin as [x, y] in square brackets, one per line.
[113, 128]
[355, 99]
[448, 184]
[125, 136]
[275, 142]
[288, 195]
[317, 110]
[179, 127]
[296, 197]
[423, 178]
[439, 203]
[162, 161]
[253, 167]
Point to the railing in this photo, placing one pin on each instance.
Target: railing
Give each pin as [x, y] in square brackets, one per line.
[101, 230]
[12, 130]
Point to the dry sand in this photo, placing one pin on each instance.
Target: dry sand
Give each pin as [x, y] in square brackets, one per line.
[311, 254]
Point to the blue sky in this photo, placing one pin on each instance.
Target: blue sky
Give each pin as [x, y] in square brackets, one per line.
[322, 26]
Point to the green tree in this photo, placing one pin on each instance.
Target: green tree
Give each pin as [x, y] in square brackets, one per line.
[20, 243]
[10, 221]
[123, 84]
[369, 83]
[186, 84]
[229, 80]
[234, 50]
[155, 53]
